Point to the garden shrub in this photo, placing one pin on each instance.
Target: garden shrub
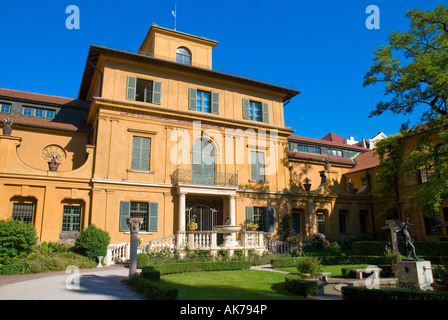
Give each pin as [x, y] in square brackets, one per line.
[298, 286]
[44, 259]
[92, 242]
[309, 265]
[441, 273]
[17, 239]
[365, 294]
[154, 290]
[377, 248]
[143, 260]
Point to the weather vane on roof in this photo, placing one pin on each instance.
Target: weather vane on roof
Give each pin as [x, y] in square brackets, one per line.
[175, 15]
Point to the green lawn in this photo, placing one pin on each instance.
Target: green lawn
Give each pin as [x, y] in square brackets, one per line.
[230, 285]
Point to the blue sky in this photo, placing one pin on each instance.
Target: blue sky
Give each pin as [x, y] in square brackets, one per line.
[321, 48]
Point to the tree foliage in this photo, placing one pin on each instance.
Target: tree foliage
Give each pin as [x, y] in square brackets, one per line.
[428, 160]
[390, 154]
[413, 67]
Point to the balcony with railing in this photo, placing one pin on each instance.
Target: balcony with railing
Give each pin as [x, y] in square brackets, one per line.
[210, 178]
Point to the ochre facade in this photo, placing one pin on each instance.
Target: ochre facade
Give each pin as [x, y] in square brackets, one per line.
[171, 141]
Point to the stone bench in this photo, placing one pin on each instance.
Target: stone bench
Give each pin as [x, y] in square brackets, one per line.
[359, 272]
[324, 276]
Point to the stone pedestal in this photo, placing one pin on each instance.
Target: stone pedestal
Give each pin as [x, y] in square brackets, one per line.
[134, 225]
[414, 274]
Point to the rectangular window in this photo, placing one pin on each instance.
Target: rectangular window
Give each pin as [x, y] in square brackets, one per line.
[335, 153]
[254, 111]
[296, 223]
[320, 223]
[144, 90]
[260, 215]
[23, 211]
[27, 111]
[141, 154]
[39, 113]
[257, 166]
[342, 223]
[5, 108]
[71, 218]
[203, 101]
[141, 210]
[49, 114]
[431, 224]
[363, 220]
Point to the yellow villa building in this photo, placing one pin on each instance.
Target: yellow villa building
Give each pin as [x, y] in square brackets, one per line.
[160, 135]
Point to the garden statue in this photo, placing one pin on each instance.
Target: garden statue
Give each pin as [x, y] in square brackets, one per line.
[410, 249]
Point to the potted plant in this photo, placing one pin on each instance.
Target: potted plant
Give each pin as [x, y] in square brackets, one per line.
[139, 241]
[327, 164]
[7, 128]
[53, 164]
[192, 226]
[307, 184]
[293, 239]
[252, 226]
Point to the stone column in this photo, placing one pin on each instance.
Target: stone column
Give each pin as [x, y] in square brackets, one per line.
[393, 236]
[232, 214]
[182, 197]
[134, 227]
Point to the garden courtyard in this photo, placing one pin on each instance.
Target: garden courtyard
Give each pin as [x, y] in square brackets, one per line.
[319, 269]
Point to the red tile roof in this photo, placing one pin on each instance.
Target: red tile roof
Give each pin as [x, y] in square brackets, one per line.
[334, 137]
[319, 157]
[367, 160]
[327, 142]
[43, 98]
[44, 123]
[38, 98]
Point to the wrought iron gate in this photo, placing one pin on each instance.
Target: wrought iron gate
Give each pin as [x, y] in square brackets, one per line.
[204, 216]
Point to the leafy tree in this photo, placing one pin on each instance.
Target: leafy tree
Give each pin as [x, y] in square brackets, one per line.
[414, 66]
[430, 157]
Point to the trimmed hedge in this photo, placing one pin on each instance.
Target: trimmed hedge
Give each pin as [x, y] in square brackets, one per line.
[154, 290]
[298, 286]
[363, 293]
[181, 267]
[332, 260]
[376, 248]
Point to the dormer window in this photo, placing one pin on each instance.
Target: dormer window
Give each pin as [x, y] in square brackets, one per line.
[183, 55]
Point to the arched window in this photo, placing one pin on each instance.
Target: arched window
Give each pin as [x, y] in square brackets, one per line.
[183, 55]
[203, 164]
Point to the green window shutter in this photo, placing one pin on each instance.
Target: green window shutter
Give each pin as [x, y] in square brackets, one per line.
[246, 112]
[141, 153]
[249, 215]
[271, 219]
[265, 112]
[157, 92]
[125, 213]
[193, 99]
[215, 102]
[153, 216]
[132, 88]
[261, 166]
[254, 166]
